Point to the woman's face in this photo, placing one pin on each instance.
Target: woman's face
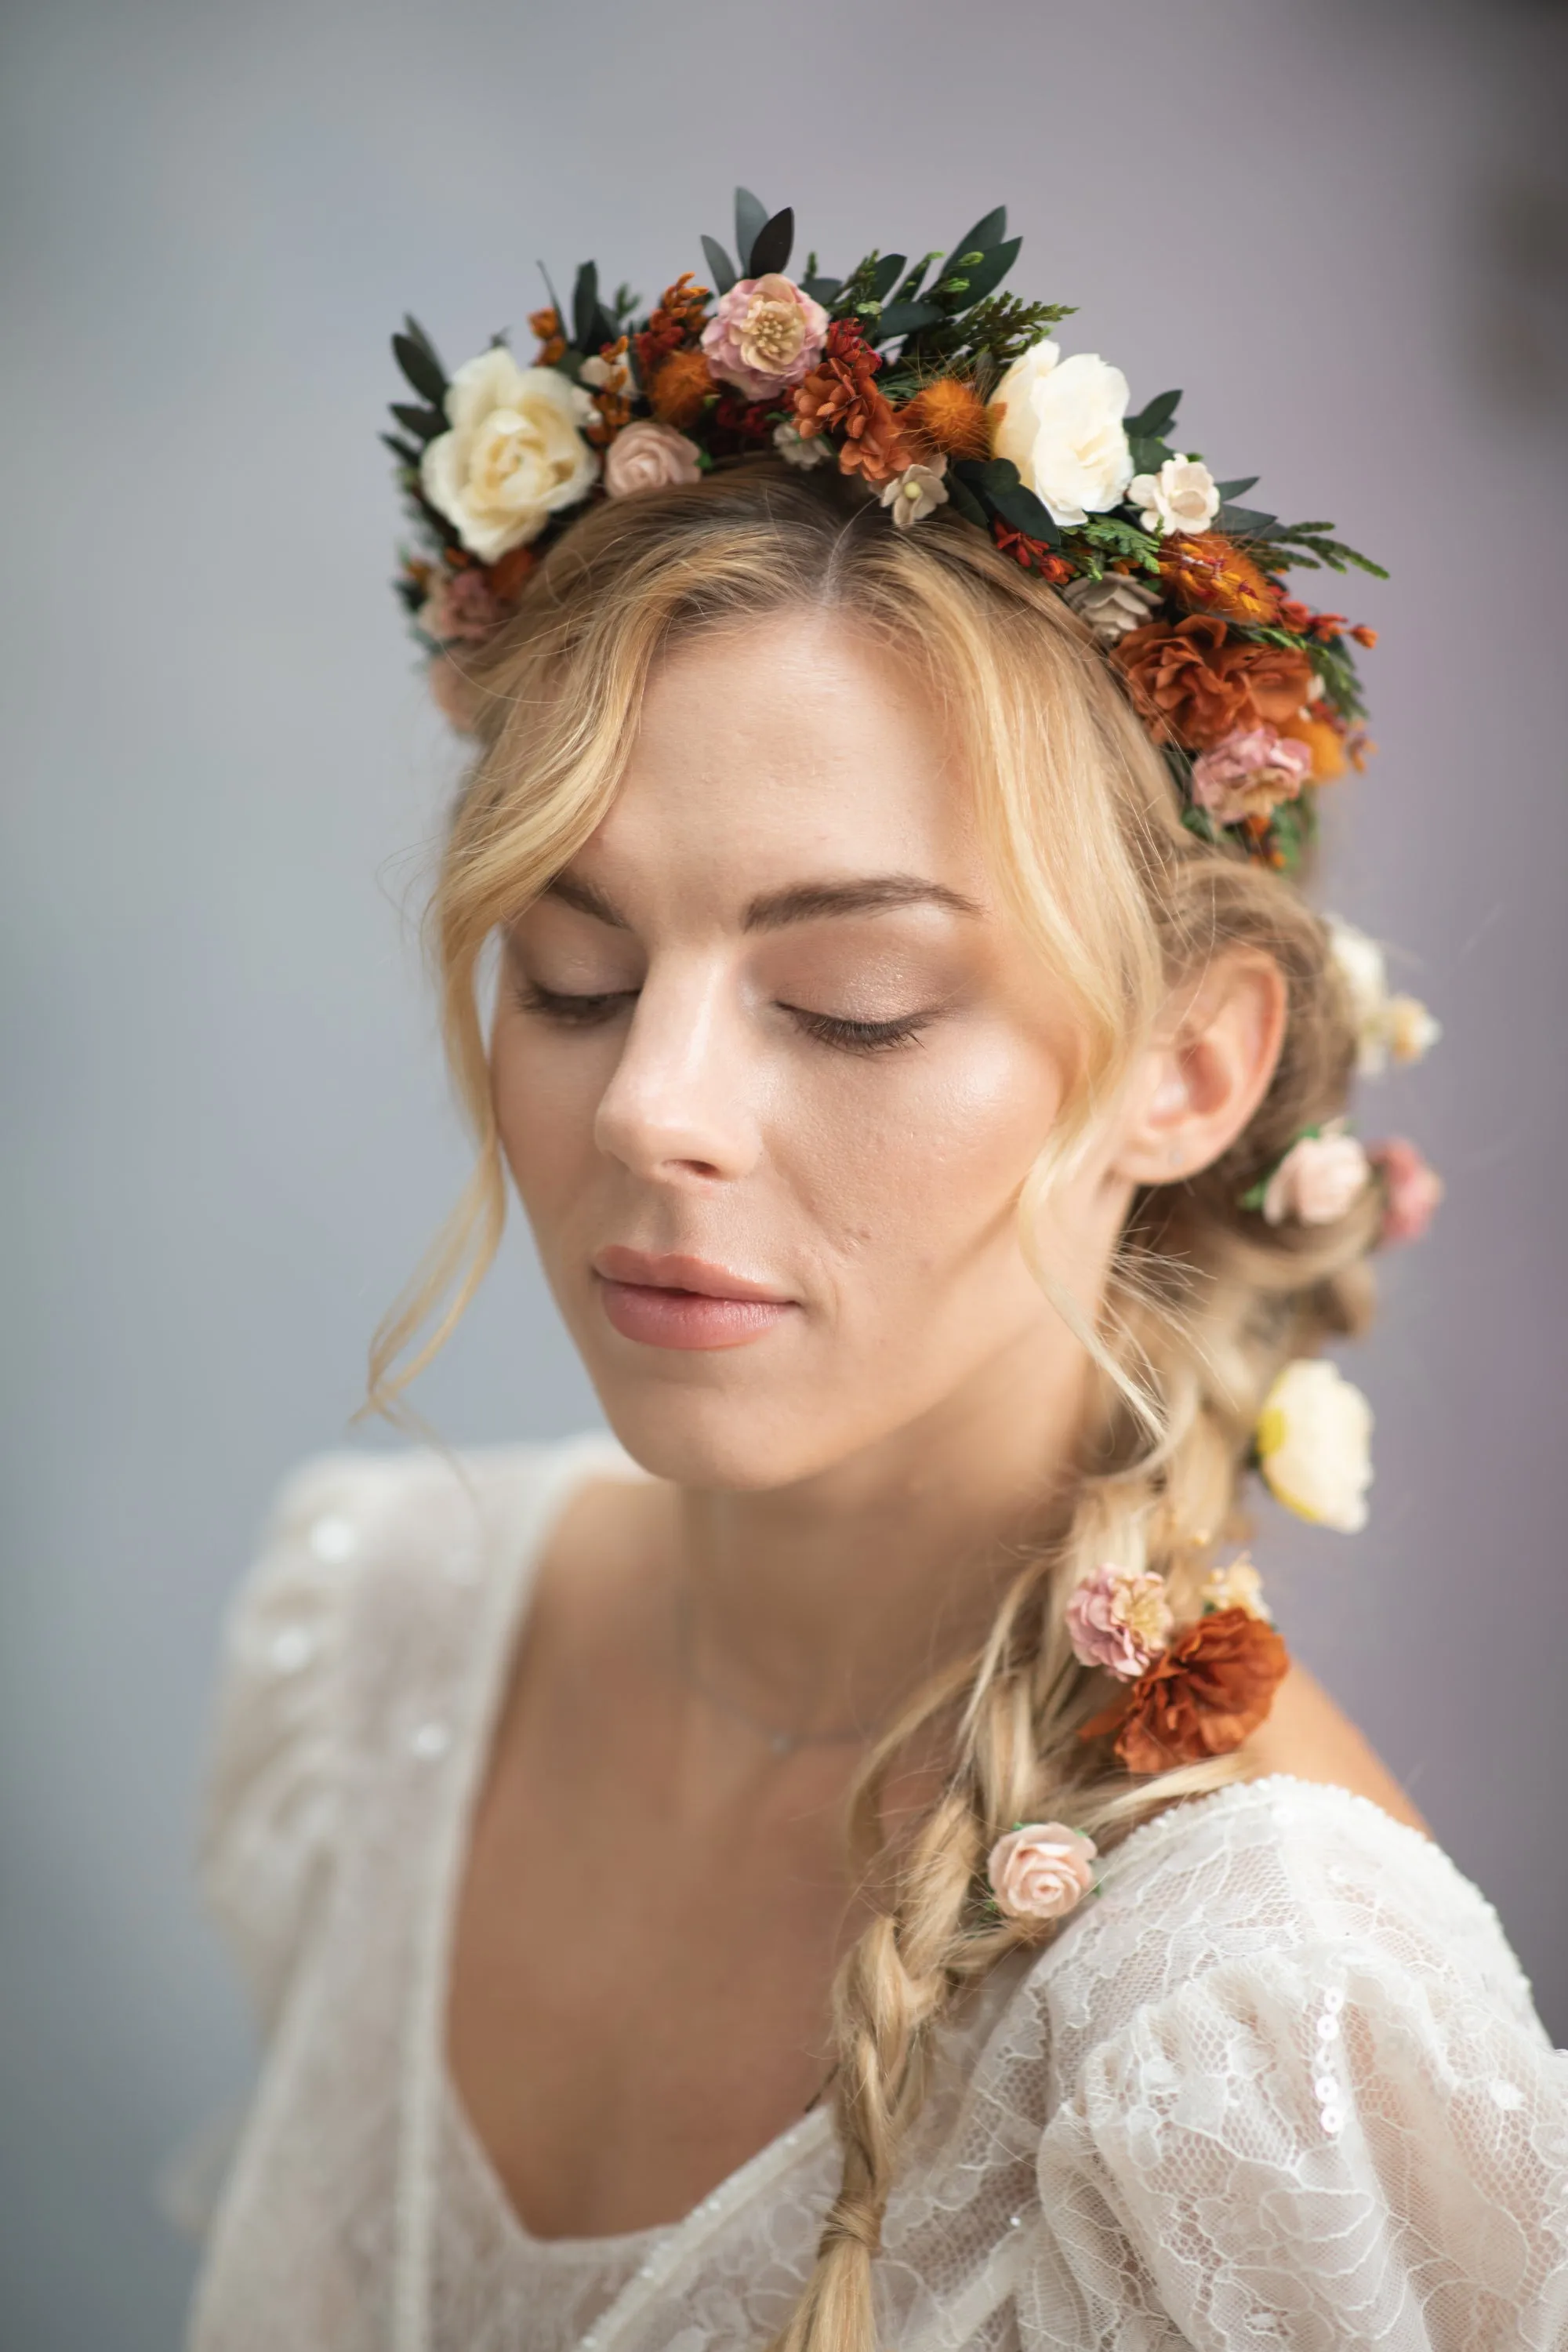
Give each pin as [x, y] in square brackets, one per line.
[772, 1065]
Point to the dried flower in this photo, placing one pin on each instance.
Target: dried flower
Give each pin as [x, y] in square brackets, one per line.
[1247, 774]
[1313, 1442]
[674, 326]
[947, 419]
[764, 336]
[915, 493]
[1040, 1870]
[840, 396]
[649, 456]
[546, 325]
[1113, 605]
[1411, 1030]
[1412, 1189]
[514, 455]
[1032, 553]
[796, 450]
[1385, 1025]
[1203, 572]
[1060, 422]
[1202, 1696]
[680, 388]
[1236, 1585]
[1320, 1177]
[461, 608]
[1118, 1618]
[1321, 737]
[1182, 496]
[1197, 683]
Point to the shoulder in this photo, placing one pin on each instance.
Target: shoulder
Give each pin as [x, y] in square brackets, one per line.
[371, 1574]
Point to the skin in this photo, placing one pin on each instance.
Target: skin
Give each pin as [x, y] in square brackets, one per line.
[654, 1901]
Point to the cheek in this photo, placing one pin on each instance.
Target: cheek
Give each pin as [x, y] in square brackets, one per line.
[545, 1100]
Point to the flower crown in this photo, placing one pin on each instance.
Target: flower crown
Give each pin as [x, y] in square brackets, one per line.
[935, 388]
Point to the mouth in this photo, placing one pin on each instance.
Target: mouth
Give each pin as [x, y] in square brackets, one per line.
[670, 1300]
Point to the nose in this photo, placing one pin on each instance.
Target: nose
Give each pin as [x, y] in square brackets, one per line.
[678, 1104]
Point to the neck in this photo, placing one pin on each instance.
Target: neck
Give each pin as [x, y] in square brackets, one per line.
[817, 1606]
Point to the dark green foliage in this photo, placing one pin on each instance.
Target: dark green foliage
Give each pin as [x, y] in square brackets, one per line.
[750, 217]
[996, 489]
[1155, 418]
[1120, 539]
[720, 269]
[424, 424]
[773, 244]
[406, 452]
[416, 355]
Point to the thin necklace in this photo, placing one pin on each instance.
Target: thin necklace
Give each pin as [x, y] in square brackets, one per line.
[781, 1741]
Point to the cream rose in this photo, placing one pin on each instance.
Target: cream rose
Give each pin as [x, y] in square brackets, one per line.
[1060, 423]
[1238, 1585]
[1040, 1870]
[514, 455]
[1314, 1444]
[1182, 496]
[1397, 1026]
[647, 457]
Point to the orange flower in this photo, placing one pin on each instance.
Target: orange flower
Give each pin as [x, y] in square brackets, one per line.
[1324, 740]
[1032, 553]
[947, 419]
[1364, 636]
[1201, 1696]
[507, 576]
[1203, 571]
[679, 388]
[839, 395]
[674, 326]
[551, 342]
[1196, 683]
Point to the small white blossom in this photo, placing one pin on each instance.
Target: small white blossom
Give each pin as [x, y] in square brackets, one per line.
[915, 493]
[1385, 1025]
[1182, 496]
[795, 449]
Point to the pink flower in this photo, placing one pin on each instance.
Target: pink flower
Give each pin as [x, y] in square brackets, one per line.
[649, 456]
[1412, 1189]
[1118, 1618]
[765, 335]
[1318, 1180]
[1249, 773]
[461, 609]
[1040, 1870]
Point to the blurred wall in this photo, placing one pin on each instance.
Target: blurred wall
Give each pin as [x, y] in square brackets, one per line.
[229, 1135]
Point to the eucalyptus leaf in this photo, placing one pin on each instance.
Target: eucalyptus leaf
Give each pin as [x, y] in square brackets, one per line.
[886, 275]
[1245, 522]
[1243, 483]
[1024, 512]
[963, 501]
[1147, 456]
[986, 276]
[825, 290]
[427, 424]
[720, 269]
[772, 245]
[584, 307]
[906, 319]
[408, 453]
[750, 217]
[1154, 420]
[986, 233]
[422, 368]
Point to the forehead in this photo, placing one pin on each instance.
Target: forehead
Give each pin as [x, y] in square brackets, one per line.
[795, 744]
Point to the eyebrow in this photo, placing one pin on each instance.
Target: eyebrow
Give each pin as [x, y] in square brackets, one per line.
[804, 902]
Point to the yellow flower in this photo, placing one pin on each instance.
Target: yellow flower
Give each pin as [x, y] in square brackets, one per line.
[1314, 1444]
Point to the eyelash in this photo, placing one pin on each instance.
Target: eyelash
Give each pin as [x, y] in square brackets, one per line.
[828, 1028]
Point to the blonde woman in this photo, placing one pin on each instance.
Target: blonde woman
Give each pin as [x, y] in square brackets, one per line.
[695, 1881]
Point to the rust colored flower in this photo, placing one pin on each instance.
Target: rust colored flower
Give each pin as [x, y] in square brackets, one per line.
[679, 388]
[947, 419]
[507, 577]
[674, 326]
[1201, 1696]
[1032, 553]
[1364, 636]
[1294, 615]
[1207, 573]
[551, 342]
[839, 394]
[608, 377]
[1194, 681]
[873, 445]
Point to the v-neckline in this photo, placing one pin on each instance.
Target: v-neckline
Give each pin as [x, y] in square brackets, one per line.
[575, 1462]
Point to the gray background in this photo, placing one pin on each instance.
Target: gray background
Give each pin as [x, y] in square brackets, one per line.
[228, 1134]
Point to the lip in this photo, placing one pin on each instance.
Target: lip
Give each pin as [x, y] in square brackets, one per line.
[670, 1300]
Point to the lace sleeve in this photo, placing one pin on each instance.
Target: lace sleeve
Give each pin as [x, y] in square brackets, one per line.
[1314, 2148]
[271, 1794]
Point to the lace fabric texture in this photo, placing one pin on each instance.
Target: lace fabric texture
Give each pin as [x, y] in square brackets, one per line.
[1281, 2084]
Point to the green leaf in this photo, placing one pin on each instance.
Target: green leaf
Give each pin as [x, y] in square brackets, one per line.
[586, 306]
[425, 423]
[963, 501]
[886, 275]
[906, 319]
[983, 236]
[1154, 420]
[420, 365]
[911, 285]
[408, 453]
[720, 269]
[996, 483]
[1238, 488]
[1199, 821]
[1245, 522]
[750, 218]
[987, 273]
[772, 245]
[1148, 456]
[825, 290]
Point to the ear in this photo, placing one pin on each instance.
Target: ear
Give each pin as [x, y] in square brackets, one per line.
[1207, 1071]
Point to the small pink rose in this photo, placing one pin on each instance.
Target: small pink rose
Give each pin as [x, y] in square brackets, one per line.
[1412, 1189]
[649, 456]
[1318, 1180]
[1249, 773]
[1119, 1618]
[461, 608]
[765, 335]
[1041, 1871]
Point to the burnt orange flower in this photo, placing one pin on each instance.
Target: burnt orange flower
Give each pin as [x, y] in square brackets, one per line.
[674, 326]
[947, 419]
[1294, 615]
[507, 575]
[679, 388]
[551, 342]
[1202, 1696]
[840, 396]
[1032, 553]
[1196, 683]
[1202, 570]
[1364, 636]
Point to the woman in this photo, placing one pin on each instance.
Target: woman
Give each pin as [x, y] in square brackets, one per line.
[921, 1081]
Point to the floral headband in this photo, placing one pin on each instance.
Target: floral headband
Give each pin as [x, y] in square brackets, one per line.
[934, 388]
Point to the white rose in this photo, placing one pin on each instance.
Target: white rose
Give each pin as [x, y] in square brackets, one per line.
[1314, 1444]
[514, 455]
[1362, 967]
[1062, 428]
[1182, 496]
[1318, 1180]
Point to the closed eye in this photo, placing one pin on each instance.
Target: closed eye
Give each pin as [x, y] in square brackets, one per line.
[834, 1029]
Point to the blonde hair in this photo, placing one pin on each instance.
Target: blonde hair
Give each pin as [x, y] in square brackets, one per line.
[1206, 1302]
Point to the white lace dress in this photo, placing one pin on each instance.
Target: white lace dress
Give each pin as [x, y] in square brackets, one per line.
[1281, 2085]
